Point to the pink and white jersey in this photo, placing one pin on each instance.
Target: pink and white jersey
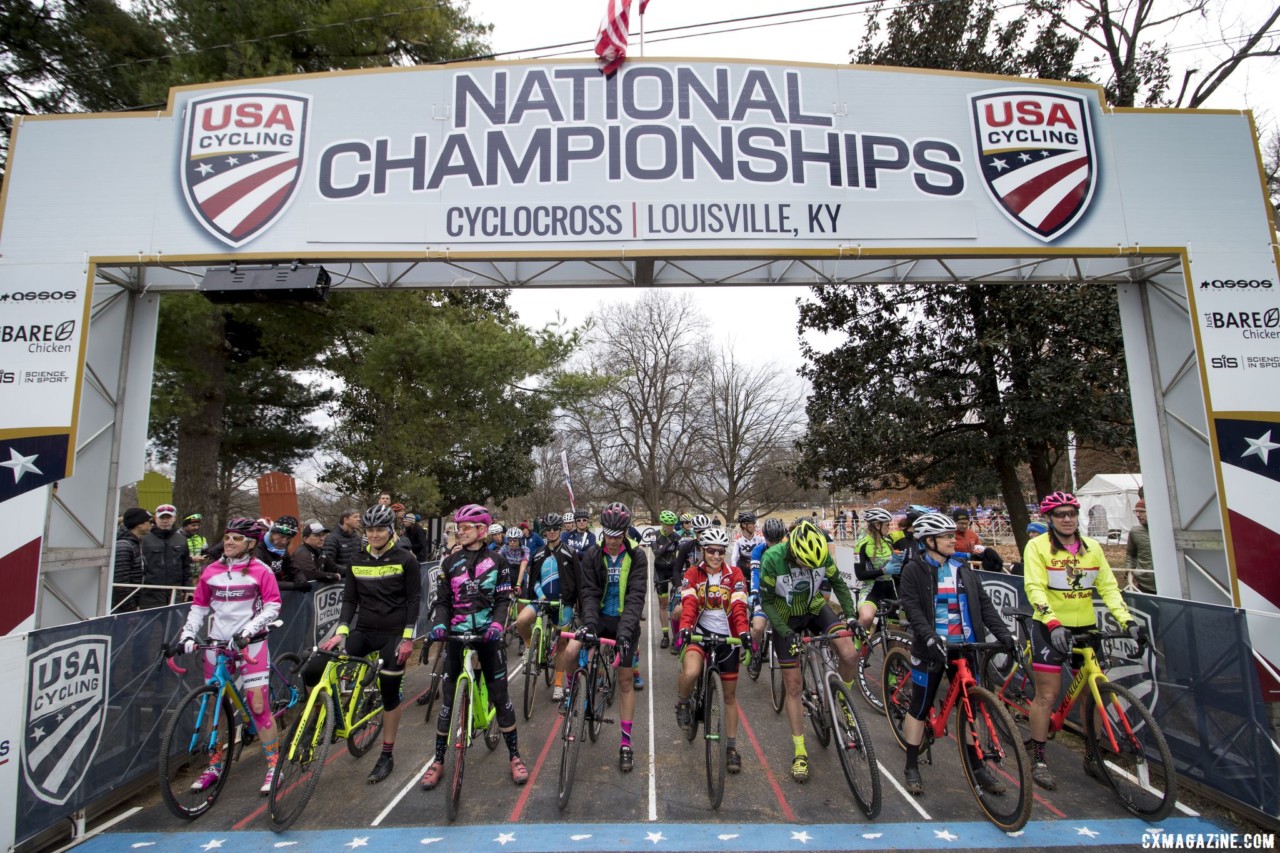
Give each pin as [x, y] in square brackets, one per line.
[243, 596]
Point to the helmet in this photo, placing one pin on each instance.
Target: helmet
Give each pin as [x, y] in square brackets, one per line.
[914, 513]
[245, 527]
[580, 513]
[472, 514]
[808, 545]
[496, 528]
[397, 507]
[933, 524]
[515, 533]
[746, 517]
[774, 529]
[1036, 528]
[615, 519]
[286, 524]
[378, 516]
[876, 515]
[699, 522]
[668, 517]
[552, 519]
[713, 536]
[1058, 499]
[195, 516]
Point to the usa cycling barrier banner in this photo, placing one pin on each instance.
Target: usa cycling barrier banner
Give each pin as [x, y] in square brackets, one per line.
[1197, 678]
[13, 658]
[430, 575]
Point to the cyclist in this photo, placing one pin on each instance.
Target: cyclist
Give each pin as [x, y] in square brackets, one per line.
[775, 530]
[1061, 571]
[547, 566]
[516, 554]
[274, 551]
[945, 604]
[384, 588]
[665, 547]
[875, 566]
[713, 600]
[473, 596]
[496, 532]
[241, 593]
[745, 542]
[685, 528]
[615, 580]
[581, 538]
[791, 577]
[195, 542]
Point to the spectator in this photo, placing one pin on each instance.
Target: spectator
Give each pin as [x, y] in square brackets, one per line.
[165, 559]
[342, 545]
[128, 558]
[1138, 553]
[310, 558]
[384, 498]
[196, 544]
[968, 542]
[274, 551]
[853, 523]
[413, 536]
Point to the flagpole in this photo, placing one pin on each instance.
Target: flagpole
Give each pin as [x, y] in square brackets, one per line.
[642, 28]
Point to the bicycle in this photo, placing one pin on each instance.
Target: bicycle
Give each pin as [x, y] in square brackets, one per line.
[984, 732]
[590, 688]
[325, 718]
[875, 646]
[435, 679]
[473, 713]
[212, 718]
[1118, 728]
[831, 709]
[777, 690]
[707, 703]
[540, 653]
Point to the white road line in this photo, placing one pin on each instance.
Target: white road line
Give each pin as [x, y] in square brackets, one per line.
[915, 804]
[1120, 771]
[653, 779]
[413, 780]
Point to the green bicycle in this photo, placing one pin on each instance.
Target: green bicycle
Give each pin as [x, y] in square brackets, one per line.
[306, 746]
[539, 657]
[473, 713]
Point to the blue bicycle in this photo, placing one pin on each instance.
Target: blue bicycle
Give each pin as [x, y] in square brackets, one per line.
[213, 723]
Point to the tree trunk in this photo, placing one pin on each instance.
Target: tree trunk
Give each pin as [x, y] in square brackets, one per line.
[200, 431]
[1041, 463]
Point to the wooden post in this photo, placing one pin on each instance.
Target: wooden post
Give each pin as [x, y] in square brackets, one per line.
[277, 496]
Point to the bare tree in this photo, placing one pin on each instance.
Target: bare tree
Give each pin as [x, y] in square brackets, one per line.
[748, 419]
[638, 432]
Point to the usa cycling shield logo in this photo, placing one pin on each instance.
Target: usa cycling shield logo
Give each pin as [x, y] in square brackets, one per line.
[242, 158]
[66, 712]
[1037, 157]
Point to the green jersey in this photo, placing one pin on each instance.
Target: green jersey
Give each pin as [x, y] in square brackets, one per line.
[788, 590]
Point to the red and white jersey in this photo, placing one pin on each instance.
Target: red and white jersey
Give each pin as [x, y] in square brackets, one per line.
[241, 597]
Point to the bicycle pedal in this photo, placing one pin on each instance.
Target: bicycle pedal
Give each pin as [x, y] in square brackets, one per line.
[606, 720]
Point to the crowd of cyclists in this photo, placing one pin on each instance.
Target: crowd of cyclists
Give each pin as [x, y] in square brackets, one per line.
[763, 583]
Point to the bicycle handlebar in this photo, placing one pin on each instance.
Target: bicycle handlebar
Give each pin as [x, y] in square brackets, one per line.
[604, 641]
[714, 640]
[826, 638]
[233, 651]
[538, 603]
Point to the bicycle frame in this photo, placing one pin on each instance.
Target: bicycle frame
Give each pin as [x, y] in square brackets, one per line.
[957, 692]
[330, 685]
[226, 683]
[482, 712]
[543, 627]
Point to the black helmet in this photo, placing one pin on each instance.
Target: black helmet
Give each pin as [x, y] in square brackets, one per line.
[580, 513]
[552, 519]
[245, 527]
[286, 524]
[774, 529]
[615, 519]
[746, 517]
[378, 516]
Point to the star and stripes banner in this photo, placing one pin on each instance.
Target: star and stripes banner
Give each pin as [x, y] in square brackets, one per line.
[611, 43]
[31, 462]
[568, 483]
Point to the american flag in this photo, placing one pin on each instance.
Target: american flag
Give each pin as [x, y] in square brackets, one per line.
[611, 44]
[568, 484]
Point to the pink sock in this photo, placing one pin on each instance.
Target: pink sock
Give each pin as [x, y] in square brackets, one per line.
[626, 733]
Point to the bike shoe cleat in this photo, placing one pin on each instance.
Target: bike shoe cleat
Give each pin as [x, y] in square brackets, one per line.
[432, 777]
[266, 782]
[912, 781]
[666, 642]
[1042, 776]
[684, 715]
[732, 761]
[207, 779]
[519, 773]
[987, 781]
[637, 682]
[382, 769]
[800, 769]
[1091, 768]
[626, 759]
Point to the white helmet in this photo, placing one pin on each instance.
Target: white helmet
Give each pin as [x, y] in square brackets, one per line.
[876, 514]
[700, 522]
[932, 524]
[515, 533]
[714, 536]
[495, 528]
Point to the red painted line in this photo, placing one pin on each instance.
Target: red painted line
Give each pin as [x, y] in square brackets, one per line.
[243, 822]
[768, 772]
[533, 776]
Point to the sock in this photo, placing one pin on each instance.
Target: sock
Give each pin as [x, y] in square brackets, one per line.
[849, 686]
[626, 733]
[387, 747]
[215, 760]
[272, 752]
[664, 630]
[559, 680]
[913, 756]
[442, 744]
[730, 743]
[1037, 751]
[510, 738]
[798, 742]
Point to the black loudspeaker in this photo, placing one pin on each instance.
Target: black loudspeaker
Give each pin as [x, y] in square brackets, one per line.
[265, 284]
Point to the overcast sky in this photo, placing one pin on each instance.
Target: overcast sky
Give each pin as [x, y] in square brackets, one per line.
[764, 318]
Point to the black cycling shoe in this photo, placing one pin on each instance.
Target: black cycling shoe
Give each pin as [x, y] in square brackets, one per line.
[666, 642]
[732, 761]
[626, 759]
[912, 781]
[382, 769]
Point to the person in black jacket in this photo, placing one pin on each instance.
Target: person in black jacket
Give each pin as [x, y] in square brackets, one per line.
[342, 545]
[549, 565]
[615, 582]
[666, 544]
[310, 559]
[411, 536]
[936, 582]
[166, 560]
[274, 551]
[128, 558]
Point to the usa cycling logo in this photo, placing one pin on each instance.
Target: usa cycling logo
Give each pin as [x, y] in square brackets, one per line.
[242, 158]
[1037, 157]
[66, 713]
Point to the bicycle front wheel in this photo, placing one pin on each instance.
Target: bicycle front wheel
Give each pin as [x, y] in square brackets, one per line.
[461, 731]
[571, 737]
[713, 737]
[531, 655]
[199, 735]
[548, 658]
[896, 689]
[871, 666]
[812, 670]
[367, 696]
[857, 757]
[995, 762]
[598, 699]
[302, 756]
[777, 690]
[1121, 738]
[437, 681]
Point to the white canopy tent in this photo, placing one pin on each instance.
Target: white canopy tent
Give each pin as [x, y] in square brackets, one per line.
[1106, 505]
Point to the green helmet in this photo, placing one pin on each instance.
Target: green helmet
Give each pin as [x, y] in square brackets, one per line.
[668, 517]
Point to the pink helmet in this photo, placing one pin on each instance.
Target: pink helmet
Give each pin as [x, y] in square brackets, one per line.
[1056, 500]
[472, 514]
